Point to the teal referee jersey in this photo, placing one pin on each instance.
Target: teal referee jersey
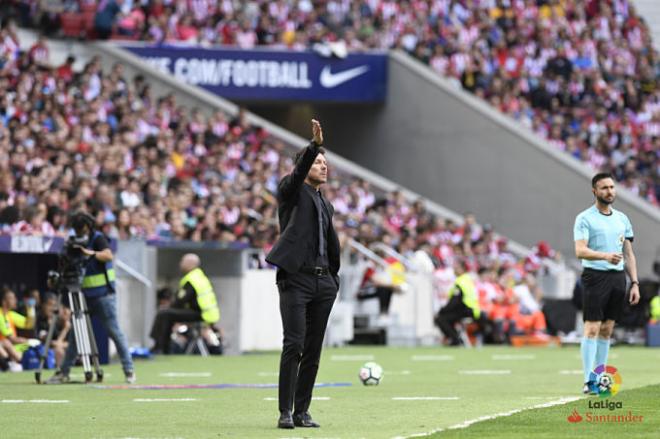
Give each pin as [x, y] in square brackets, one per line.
[603, 233]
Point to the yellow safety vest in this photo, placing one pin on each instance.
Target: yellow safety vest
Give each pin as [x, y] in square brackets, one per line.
[397, 273]
[469, 290]
[655, 308]
[205, 294]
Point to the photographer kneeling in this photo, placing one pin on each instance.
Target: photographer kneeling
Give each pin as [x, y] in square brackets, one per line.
[98, 286]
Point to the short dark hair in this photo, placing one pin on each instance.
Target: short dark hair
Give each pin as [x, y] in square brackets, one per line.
[4, 292]
[600, 176]
[82, 219]
[300, 153]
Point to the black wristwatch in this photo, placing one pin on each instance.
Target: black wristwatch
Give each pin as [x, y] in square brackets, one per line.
[634, 282]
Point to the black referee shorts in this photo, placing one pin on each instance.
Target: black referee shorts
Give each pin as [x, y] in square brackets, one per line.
[604, 295]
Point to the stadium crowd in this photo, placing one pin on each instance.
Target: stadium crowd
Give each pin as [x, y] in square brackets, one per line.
[580, 73]
[149, 169]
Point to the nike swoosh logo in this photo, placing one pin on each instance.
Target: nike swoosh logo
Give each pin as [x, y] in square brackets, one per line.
[331, 80]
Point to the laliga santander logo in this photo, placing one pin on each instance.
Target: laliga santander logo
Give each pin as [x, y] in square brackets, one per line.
[605, 381]
[575, 417]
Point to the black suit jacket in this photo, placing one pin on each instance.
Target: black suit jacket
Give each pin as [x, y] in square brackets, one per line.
[298, 218]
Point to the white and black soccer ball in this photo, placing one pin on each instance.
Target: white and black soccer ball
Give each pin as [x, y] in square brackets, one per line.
[371, 374]
[604, 383]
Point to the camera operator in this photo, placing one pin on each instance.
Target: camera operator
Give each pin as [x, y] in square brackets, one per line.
[98, 285]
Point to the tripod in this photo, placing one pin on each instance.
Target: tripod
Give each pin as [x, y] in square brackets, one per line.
[83, 335]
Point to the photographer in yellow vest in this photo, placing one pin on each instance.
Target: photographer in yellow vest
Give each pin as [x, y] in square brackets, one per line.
[194, 302]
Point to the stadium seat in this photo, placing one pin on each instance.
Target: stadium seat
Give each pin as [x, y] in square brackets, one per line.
[72, 24]
[88, 24]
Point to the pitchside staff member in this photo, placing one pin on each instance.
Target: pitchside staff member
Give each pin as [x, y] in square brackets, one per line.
[307, 257]
[603, 240]
[98, 285]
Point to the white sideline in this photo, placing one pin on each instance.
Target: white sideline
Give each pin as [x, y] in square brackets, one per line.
[314, 398]
[425, 398]
[35, 401]
[164, 399]
[469, 422]
[485, 372]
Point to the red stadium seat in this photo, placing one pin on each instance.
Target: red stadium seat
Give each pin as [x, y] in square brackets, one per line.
[88, 24]
[72, 24]
[88, 7]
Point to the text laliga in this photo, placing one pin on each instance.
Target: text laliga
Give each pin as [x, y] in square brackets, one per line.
[608, 405]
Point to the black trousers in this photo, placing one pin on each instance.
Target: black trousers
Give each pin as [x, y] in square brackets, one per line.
[384, 295]
[454, 311]
[305, 304]
[161, 330]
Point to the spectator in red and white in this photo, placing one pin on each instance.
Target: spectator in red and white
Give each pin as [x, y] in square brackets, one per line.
[39, 53]
[35, 222]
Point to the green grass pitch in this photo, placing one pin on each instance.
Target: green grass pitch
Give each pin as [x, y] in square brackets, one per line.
[424, 391]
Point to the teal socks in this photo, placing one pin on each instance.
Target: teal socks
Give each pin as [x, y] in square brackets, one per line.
[588, 348]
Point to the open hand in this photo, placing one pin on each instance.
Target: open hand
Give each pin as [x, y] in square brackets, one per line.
[317, 132]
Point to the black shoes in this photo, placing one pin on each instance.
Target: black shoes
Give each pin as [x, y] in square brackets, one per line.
[285, 421]
[304, 420]
[297, 420]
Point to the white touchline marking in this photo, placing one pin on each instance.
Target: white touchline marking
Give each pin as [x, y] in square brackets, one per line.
[164, 399]
[35, 401]
[352, 357]
[399, 372]
[314, 398]
[432, 357]
[514, 357]
[571, 372]
[185, 374]
[547, 397]
[425, 398]
[485, 372]
[467, 423]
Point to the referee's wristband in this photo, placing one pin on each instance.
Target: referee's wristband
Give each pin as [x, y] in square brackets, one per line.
[635, 282]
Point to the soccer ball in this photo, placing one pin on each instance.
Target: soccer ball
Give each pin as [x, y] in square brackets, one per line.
[604, 383]
[371, 374]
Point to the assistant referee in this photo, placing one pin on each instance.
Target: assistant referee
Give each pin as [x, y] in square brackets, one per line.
[603, 241]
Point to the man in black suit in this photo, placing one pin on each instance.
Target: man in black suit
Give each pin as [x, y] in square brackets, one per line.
[307, 257]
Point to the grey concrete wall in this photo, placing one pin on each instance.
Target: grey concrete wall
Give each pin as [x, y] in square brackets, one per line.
[453, 148]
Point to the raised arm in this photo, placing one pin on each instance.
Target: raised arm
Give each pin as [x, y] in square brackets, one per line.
[292, 182]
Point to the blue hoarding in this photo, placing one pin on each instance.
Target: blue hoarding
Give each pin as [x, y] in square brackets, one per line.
[36, 244]
[273, 75]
